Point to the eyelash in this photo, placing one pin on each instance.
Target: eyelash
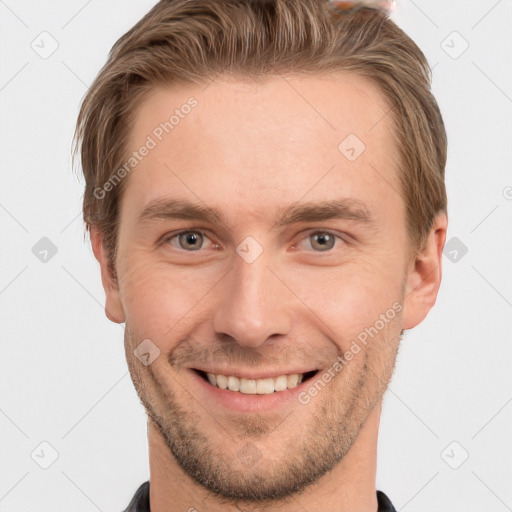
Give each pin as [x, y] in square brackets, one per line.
[167, 239]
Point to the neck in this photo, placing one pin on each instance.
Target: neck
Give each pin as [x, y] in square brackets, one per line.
[349, 486]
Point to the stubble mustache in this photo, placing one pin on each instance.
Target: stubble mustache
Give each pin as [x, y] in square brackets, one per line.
[188, 353]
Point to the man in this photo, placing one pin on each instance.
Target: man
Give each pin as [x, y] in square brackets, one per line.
[265, 196]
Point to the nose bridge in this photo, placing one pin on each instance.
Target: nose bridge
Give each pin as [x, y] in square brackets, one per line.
[253, 304]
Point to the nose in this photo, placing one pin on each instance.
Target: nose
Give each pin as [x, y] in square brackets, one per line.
[252, 308]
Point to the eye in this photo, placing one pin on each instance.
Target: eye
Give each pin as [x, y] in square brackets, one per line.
[189, 241]
[323, 241]
[194, 240]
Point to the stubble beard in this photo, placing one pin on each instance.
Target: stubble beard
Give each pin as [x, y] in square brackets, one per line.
[317, 445]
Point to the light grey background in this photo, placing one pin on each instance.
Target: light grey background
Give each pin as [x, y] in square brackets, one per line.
[63, 373]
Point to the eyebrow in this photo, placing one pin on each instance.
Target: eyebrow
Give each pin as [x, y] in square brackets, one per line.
[313, 211]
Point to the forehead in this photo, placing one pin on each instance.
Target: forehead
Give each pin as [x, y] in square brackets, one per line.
[254, 148]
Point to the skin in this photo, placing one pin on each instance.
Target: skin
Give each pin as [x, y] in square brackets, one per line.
[251, 150]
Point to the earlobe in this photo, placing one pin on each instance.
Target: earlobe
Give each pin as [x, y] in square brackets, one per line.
[113, 306]
[424, 276]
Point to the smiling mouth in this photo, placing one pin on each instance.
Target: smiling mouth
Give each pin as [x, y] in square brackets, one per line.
[256, 386]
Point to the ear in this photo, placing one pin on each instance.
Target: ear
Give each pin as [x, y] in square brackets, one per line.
[424, 276]
[113, 306]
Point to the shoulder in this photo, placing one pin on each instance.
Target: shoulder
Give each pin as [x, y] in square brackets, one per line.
[140, 500]
[384, 502]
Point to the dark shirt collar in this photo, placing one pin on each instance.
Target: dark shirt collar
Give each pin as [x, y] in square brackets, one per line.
[140, 502]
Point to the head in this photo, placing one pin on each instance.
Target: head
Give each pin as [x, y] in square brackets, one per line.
[265, 194]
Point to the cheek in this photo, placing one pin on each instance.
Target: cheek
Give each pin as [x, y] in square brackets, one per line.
[158, 300]
[350, 298]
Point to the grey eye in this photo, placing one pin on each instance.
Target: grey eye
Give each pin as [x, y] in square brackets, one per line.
[194, 238]
[322, 240]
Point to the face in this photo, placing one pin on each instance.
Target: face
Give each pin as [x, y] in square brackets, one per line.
[263, 237]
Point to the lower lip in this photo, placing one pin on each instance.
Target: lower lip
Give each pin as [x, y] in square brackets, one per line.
[236, 401]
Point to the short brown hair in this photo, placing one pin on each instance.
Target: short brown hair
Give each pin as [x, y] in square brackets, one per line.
[195, 40]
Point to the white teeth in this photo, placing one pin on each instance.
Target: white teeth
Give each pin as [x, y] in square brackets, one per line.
[233, 383]
[293, 380]
[248, 386]
[255, 386]
[281, 383]
[222, 381]
[265, 386]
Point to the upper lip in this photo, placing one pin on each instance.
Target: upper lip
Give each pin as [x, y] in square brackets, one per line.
[245, 373]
